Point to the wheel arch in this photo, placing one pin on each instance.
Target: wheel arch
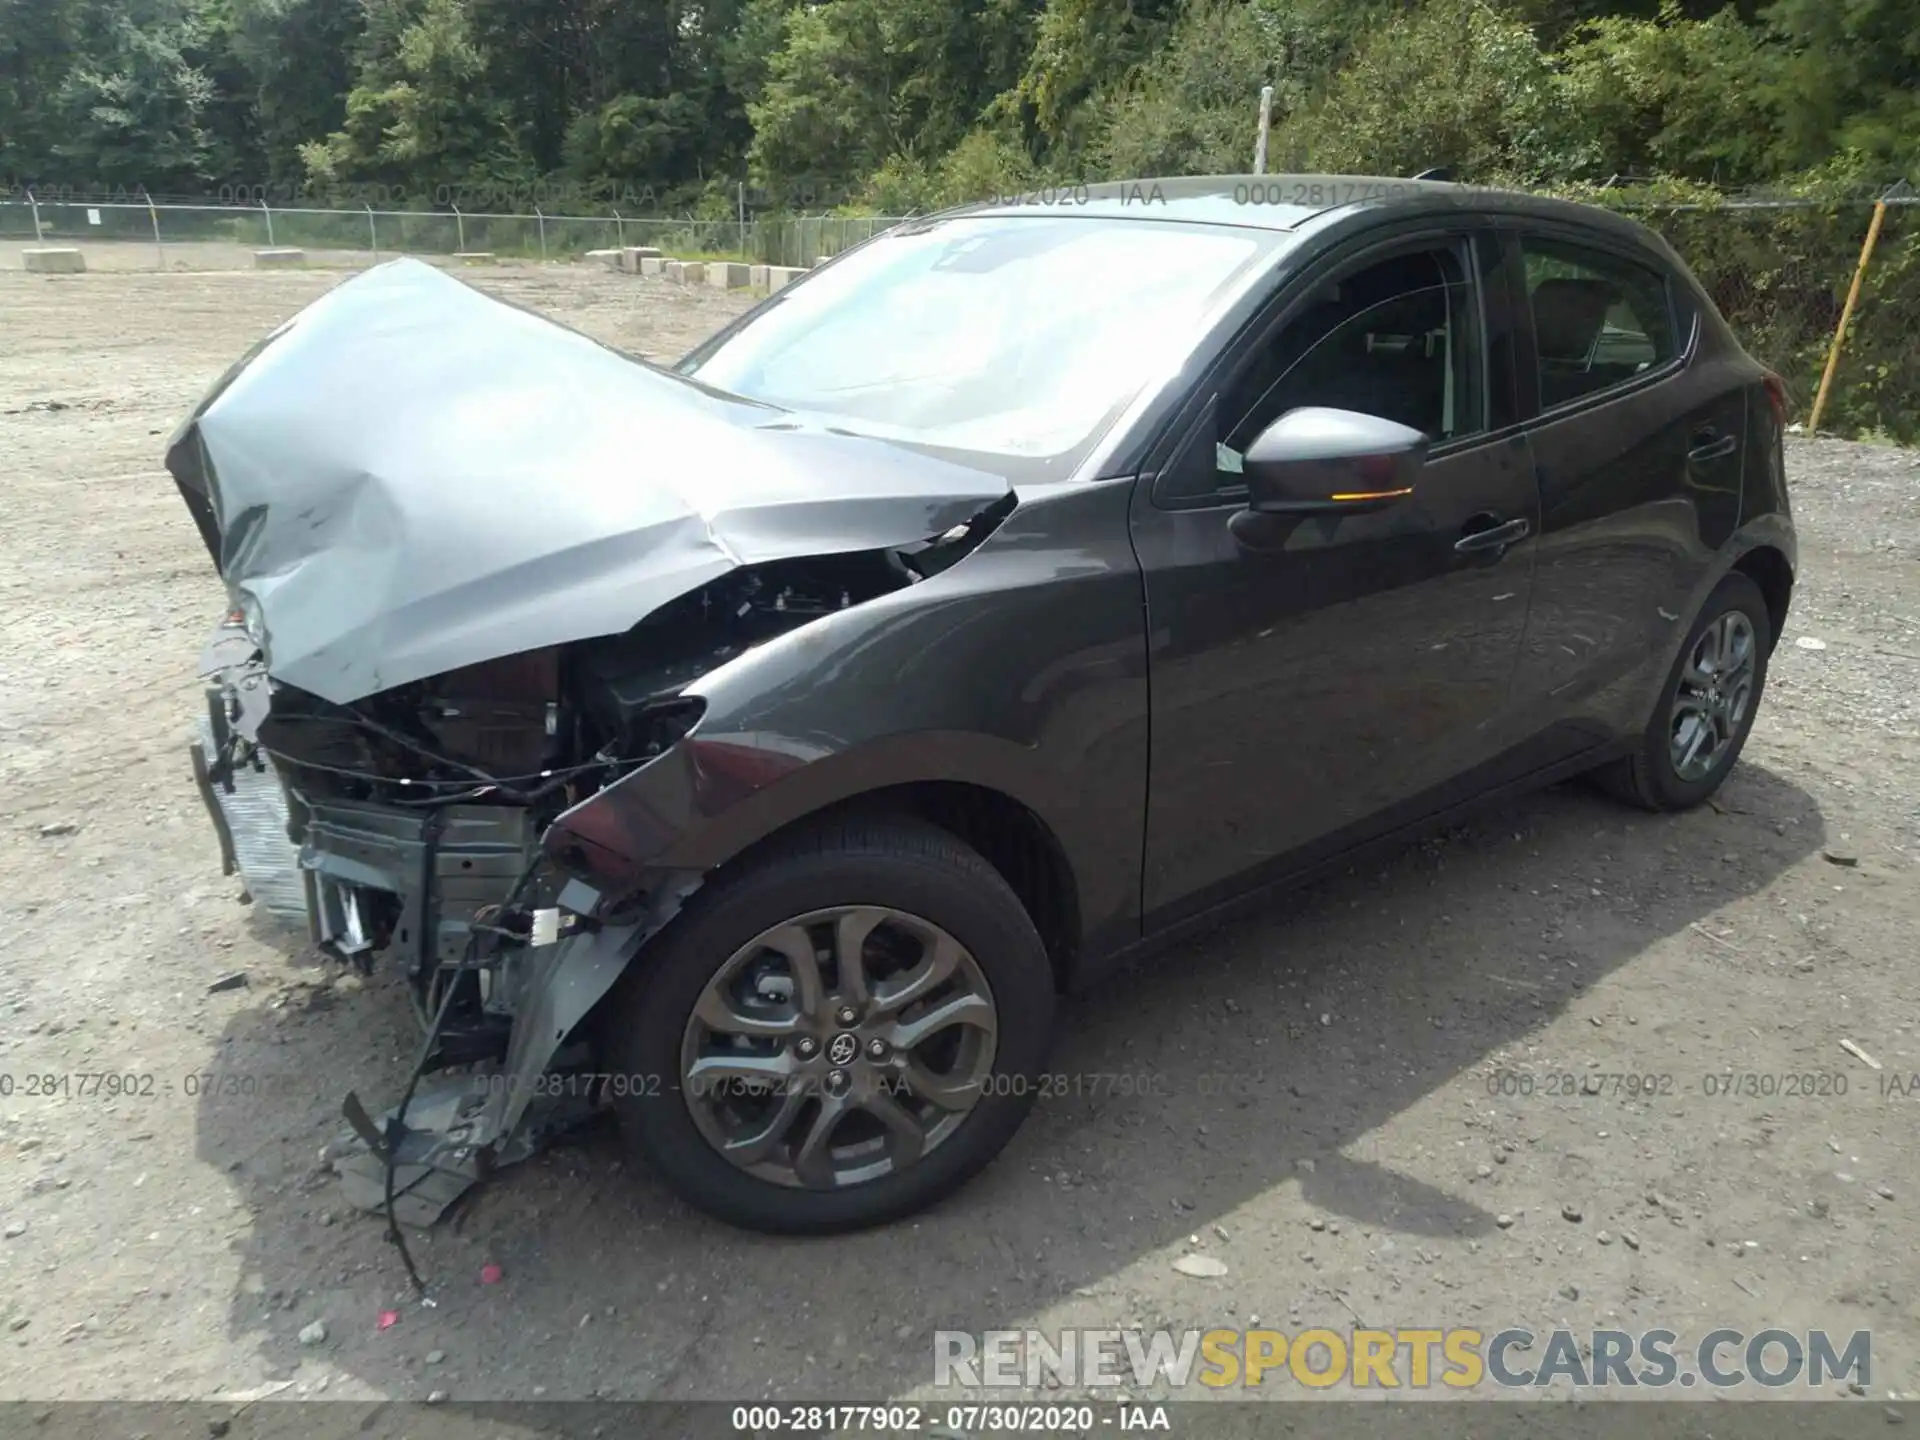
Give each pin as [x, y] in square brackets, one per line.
[1769, 568]
[1764, 550]
[1009, 834]
[714, 801]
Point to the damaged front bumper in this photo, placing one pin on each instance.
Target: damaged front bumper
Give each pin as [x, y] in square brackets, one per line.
[427, 886]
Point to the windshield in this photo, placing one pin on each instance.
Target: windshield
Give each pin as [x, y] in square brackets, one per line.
[1020, 337]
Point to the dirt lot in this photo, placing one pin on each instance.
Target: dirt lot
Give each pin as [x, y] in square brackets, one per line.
[191, 255]
[174, 1245]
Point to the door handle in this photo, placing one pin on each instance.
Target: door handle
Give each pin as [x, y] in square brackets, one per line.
[1707, 447]
[1495, 537]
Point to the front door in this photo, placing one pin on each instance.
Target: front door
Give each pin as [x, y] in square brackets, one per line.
[1334, 681]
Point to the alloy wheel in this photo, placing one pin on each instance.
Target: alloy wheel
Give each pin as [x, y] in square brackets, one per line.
[1710, 703]
[837, 1047]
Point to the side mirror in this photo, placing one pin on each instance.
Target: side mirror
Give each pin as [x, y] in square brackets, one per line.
[1317, 461]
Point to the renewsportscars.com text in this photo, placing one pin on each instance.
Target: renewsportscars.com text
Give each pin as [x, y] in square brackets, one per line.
[1408, 1358]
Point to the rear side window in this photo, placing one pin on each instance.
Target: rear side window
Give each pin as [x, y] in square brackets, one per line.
[1598, 320]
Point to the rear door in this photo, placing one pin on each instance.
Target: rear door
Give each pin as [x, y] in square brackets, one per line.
[1637, 439]
[1309, 693]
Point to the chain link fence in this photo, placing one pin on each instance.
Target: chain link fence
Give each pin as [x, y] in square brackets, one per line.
[1778, 269]
[367, 235]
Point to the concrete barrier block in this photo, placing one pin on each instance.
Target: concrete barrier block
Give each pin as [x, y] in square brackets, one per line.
[54, 260]
[280, 258]
[608, 258]
[473, 257]
[726, 275]
[757, 276]
[781, 276]
[653, 265]
[674, 270]
[632, 258]
[693, 272]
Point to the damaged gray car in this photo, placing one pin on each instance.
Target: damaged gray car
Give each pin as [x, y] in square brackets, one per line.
[756, 748]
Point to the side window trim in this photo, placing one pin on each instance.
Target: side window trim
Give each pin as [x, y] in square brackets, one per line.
[1505, 317]
[1471, 238]
[1526, 345]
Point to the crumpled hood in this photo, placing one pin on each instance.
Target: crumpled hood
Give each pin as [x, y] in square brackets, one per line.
[410, 476]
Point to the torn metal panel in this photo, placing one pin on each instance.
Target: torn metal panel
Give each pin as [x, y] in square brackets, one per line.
[410, 477]
[556, 987]
[461, 1127]
[447, 1148]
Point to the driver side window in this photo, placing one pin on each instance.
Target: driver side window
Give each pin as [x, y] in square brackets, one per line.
[1399, 338]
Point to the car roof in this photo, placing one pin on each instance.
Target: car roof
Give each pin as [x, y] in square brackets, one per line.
[1290, 202]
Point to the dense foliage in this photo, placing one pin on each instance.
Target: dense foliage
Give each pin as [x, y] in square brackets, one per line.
[898, 103]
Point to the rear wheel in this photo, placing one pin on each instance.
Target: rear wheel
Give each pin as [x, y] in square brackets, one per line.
[839, 1033]
[1706, 708]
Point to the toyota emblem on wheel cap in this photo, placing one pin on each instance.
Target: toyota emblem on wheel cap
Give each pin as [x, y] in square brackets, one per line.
[842, 1048]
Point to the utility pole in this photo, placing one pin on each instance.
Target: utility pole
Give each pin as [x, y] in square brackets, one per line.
[1266, 124]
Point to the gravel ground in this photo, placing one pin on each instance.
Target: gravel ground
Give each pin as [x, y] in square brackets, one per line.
[171, 255]
[1365, 1163]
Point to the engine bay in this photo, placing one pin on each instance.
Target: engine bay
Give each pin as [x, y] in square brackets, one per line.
[545, 729]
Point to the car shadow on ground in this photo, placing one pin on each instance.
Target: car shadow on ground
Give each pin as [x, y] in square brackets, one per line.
[1257, 1058]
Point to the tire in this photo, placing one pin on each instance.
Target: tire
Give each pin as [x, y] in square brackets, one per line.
[1649, 776]
[914, 870]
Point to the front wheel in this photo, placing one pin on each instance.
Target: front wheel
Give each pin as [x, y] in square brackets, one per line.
[835, 1035]
[1707, 706]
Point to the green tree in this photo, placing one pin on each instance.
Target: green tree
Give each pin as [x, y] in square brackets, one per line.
[134, 107]
[555, 62]
[419, 117]
[1454, 84]
[1849, 81]
[1670, 96]
[1192, 110]
[1555, 20]
[296, 64]
[40, 41]
[982, 165]
[1194, 107]
[638, 138]
[857, 83]
[1083, 52]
